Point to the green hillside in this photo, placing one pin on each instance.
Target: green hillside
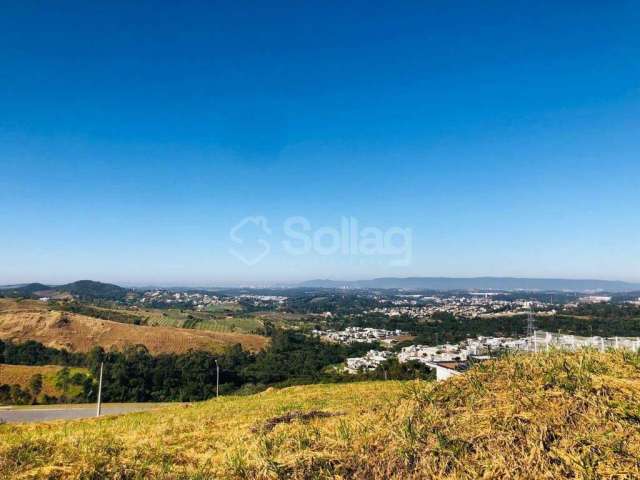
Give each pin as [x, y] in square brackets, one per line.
[88, 289]
[82, 289]
[23, 290]
[555, 415]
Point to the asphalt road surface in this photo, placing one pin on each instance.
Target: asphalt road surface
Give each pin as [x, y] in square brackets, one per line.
[43, 413]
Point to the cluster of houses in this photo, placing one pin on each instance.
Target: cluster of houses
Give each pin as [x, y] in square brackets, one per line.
[200, 301]
[264, 298]
[451, 359]
[370, 361]
[446, 360]
[196, 299]
[262, 301]
[473, 306]
[595, 299]
[359, 335]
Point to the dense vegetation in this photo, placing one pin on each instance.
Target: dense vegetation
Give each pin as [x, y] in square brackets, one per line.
[136, 375]
[328, 301]
[607, 311]
[34, 353]
[90, 290]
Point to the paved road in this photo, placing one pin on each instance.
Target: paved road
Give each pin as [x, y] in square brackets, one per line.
[67, 412]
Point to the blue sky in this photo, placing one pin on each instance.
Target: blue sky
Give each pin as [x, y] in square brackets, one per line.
[134, 136]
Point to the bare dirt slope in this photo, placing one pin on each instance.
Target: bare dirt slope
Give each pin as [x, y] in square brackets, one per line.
[28, 320]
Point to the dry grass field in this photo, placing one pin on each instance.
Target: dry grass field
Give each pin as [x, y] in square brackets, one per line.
[546, 416]
[32, 320]
[21, 375]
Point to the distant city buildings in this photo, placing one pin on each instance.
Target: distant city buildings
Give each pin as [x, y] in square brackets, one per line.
[199, 301]
[595, 299]
[265, 298]
[482, 305]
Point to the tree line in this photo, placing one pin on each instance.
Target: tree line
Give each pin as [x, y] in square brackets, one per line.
[135, 375]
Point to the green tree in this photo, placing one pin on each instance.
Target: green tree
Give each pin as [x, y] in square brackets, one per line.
[35, 385]
[19, 396]
[63, 380]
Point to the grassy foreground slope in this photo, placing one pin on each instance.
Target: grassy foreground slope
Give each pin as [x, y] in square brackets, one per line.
[555, 415]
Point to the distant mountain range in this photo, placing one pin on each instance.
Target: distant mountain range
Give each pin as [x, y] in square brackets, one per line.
[480, 283]
[90, 290]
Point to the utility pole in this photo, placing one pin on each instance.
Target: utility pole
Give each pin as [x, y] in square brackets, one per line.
[100, 391]
[217, 379]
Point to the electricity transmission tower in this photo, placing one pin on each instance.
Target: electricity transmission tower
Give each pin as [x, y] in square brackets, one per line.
[531, 324]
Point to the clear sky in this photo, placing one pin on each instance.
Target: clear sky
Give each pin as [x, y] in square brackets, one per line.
[502, 138]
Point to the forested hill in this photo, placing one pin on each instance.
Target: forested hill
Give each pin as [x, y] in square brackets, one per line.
[23, 290]
[83, 289]
[91, 289]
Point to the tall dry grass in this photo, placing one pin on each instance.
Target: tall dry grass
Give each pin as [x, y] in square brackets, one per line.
[546, 416]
